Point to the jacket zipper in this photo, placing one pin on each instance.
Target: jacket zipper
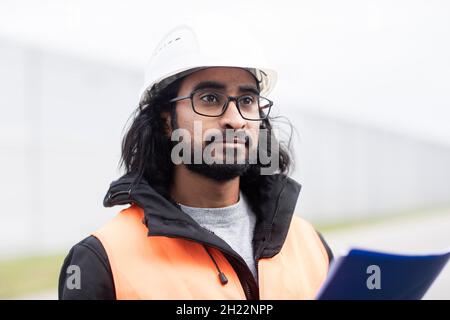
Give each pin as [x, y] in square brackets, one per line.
[245, 285]
[248, 281]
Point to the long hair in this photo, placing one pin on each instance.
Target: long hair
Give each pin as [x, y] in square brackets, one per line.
[146, 147]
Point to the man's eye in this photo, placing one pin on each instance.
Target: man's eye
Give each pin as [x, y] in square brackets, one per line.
[210, 98]
[247, 99]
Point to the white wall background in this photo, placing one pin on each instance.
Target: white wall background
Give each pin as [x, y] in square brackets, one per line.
[366, 84]
[60, 146]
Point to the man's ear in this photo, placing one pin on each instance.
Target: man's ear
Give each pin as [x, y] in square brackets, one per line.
[167, 123]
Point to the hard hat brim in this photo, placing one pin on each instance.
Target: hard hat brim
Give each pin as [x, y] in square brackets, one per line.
[266, 78]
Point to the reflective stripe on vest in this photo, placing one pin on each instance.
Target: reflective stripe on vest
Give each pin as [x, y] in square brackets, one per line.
[159, 267]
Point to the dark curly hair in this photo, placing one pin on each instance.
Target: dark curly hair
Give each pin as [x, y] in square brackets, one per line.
[146, 147]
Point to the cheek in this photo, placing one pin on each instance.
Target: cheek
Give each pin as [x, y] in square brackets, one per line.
[188, 120]
[185, 117]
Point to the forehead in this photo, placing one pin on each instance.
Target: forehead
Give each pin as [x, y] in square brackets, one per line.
[230, 77]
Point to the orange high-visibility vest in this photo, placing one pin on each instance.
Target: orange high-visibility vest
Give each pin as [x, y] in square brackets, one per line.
[160, 267]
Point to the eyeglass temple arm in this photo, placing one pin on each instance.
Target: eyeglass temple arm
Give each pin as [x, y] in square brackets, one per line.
[180, 98]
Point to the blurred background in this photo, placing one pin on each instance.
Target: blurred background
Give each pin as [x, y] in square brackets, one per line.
[366, 85]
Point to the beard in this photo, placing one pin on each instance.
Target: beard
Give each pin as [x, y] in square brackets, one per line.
[219, 172]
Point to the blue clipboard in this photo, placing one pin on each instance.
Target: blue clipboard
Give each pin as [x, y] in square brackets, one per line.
[374, 275]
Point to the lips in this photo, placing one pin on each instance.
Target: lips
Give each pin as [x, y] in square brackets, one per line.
[234, 141]
[239, 141]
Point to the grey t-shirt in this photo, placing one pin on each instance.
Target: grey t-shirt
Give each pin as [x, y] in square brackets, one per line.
[234, 224]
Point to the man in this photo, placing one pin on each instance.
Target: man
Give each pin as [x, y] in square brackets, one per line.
[204, 221]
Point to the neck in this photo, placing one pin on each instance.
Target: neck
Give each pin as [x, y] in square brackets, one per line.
[194, 190]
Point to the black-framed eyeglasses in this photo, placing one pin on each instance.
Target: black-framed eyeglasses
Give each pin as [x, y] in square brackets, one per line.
[212, 103]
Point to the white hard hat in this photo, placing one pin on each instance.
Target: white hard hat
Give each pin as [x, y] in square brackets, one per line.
[208, 43]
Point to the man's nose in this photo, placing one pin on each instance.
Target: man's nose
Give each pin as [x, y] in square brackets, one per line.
[232, 118]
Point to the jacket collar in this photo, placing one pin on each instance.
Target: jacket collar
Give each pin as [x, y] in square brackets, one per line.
[272, 197]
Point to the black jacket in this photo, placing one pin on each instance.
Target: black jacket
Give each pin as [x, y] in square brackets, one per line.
[273, 199]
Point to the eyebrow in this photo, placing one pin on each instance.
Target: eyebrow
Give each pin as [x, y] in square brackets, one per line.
[221, 86]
